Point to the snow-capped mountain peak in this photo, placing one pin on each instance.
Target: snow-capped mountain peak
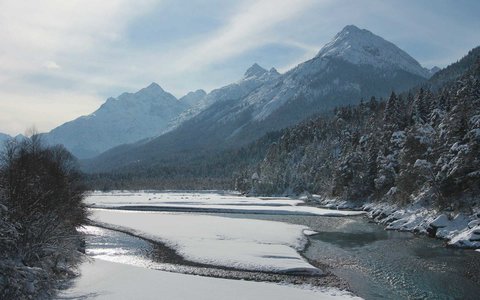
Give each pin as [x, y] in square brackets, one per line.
[362, 47]
[273, 71]
[254, 71]
[125, 119]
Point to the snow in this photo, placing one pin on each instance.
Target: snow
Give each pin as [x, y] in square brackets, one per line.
[208, 202]
[128, 118]
[253, 79]
[468, 237]
[460, 230]
[360, 46]
[422, 164]
[440, 221]
[228, 242]
[309, 232]
[106, 280]
[254, 71]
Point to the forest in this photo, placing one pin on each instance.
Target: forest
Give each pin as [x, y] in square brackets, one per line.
[41, 206]
[422, 145]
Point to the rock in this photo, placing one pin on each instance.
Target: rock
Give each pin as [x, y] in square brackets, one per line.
[440, 222]
[473, 223]
[431, 231]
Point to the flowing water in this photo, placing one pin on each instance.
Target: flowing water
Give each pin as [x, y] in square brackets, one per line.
[377, 264]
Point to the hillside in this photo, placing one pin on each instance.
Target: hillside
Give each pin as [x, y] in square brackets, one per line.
[355, 64]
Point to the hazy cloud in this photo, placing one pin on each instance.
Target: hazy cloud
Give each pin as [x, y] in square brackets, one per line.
[63, 58]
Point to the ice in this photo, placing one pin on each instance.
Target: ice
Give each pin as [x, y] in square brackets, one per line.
[208, 202]
[229, 242]
[106, 280]
[309, 232]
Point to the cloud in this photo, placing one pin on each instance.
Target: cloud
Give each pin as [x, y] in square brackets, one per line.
[39, 37]
[251, 27]
[51, 65]
[42, 110]
[61, 59]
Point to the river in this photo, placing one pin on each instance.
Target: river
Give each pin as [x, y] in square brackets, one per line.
[376, 264]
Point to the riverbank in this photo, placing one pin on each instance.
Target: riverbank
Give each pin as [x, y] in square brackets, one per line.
[350, 250]
[101, 279]
[458, 229]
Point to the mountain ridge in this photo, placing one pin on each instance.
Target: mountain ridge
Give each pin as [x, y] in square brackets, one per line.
[125, 119]
[262, 101]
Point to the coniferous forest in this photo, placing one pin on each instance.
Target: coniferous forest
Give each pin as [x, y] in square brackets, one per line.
[422, 144]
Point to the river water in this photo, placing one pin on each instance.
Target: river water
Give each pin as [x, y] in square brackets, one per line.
[377, 264]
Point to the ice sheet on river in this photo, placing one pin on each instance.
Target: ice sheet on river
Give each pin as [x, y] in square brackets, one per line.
[107, 280]
[229, 242]
[207, 202]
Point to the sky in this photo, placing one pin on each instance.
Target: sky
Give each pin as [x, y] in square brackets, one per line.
[61, 59]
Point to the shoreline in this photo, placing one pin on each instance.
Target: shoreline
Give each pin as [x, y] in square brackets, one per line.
[101, 279]
[457, 229]
[182, 266]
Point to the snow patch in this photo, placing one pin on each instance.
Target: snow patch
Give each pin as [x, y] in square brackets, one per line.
[106, 280]
[228, 242]
[208, 202]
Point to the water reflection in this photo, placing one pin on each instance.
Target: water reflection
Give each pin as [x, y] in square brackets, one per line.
[380, 264]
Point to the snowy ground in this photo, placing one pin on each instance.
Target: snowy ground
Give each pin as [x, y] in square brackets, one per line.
[228, 242]
[236, 243]
[107, 280]
[208, 202]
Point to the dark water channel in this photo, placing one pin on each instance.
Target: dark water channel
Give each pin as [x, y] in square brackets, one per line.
[377, 264]
[380, 264]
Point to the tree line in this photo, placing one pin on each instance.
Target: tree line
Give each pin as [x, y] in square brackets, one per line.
[41, 207]
[417, 146]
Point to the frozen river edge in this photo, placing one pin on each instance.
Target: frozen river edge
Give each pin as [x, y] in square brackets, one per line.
[106, 280]
[238, 246]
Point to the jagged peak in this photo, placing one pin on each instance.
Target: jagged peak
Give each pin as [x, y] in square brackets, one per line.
[273, 71]
[199, 92]
[255, 70]
[360, 46]
[153, 86]
[353, 29]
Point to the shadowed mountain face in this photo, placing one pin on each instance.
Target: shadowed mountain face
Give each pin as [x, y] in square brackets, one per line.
[125, 119]
[355, 64]
[4, 137]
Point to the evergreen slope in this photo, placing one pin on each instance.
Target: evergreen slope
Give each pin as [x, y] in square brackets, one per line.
[413, 147]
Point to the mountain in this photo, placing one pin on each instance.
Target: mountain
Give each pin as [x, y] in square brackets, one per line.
[4, 137]
[254, 77]
[361, 47]
[350, 155]
[355, 64]
[193, 98]
[125, 119]
[455, 70]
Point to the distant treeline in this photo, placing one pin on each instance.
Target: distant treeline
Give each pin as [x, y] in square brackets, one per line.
[202, 170]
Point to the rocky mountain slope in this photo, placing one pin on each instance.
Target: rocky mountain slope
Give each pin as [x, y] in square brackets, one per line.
[355, 64]
[126, 119]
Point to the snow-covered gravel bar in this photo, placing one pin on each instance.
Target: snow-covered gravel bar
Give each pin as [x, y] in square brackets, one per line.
[228, 242]
[106, 280]
[208, 202]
